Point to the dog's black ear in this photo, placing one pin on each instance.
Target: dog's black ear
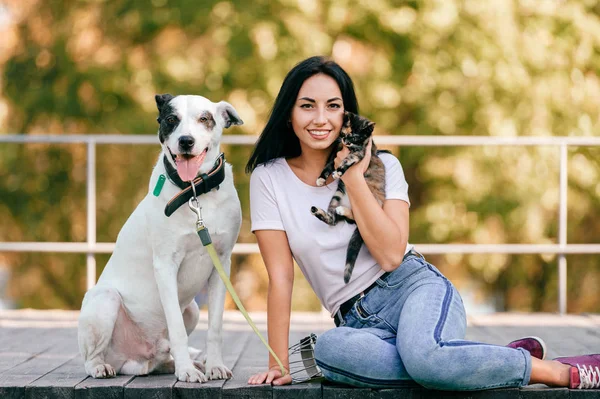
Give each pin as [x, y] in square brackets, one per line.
[229, 114]
[162, 99]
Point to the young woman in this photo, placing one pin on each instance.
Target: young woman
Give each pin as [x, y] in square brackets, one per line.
[400, 321]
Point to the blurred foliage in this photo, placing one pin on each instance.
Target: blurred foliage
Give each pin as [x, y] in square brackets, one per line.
[422, 67]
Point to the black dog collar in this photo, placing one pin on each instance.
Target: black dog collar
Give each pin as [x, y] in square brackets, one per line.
[203, 183]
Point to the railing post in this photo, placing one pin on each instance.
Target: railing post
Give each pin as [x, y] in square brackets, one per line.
[91, 212]
[562, 231]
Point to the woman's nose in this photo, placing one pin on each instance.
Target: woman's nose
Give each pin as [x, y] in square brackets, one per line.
[321, 117]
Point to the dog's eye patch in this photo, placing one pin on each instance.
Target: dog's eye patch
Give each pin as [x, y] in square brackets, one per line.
[171, 119]
[206, 118]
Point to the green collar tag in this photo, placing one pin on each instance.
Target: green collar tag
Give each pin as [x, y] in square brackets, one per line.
[159, 185]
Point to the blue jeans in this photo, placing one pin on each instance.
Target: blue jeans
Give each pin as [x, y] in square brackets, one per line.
[410, 329]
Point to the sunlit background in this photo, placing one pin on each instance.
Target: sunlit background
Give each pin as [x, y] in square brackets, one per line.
[447, 67]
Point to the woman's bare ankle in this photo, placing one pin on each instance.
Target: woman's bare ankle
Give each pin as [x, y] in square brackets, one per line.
[550, 372]
[564, 373]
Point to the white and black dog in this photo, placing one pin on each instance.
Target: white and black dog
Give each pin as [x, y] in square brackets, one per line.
[137, 319]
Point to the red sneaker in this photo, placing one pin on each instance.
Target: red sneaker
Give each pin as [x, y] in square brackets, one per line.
[585, 371]
[534, 345]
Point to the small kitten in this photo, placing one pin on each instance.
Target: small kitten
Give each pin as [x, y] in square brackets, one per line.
[355, 134]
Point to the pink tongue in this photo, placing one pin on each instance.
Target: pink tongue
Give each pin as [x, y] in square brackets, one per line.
[188, 169]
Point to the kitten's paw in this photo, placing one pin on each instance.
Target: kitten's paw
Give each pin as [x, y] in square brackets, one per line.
[336, 175]
[342, 211]
[320, 182]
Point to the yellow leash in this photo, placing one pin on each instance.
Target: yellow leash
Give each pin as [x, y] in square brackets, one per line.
[207, 243]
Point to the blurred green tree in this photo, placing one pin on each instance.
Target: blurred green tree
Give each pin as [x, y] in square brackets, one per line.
[421, 67]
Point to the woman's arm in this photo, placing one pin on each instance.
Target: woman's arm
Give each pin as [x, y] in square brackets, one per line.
[384, 230]
[277, 256]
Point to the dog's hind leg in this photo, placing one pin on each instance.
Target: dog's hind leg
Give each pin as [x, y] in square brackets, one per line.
[134, 367]
[163, 363]
[168, 367]
[97, 319]
[160, 363]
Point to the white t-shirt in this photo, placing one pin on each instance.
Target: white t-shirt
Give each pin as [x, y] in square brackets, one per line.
[279, 200]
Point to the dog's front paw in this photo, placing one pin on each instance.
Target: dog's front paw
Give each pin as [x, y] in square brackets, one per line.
[219, 372]
[190, 373]
[200, 366]
[336, 175]
[320, 182]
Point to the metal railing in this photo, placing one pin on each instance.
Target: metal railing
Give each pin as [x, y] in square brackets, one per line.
[91, 247]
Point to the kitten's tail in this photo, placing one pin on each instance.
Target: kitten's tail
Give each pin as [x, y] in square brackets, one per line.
[354, 246]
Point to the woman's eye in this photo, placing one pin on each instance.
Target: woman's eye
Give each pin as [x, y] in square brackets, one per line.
[335, 106]
[306, 106]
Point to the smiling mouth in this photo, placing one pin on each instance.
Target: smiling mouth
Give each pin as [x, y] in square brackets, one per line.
[188, 165]
[319, 133]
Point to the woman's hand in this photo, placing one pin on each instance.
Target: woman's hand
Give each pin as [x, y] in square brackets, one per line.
[271, 376]
[357, 169]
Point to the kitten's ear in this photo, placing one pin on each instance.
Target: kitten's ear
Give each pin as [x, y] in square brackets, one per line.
[346, 117]
[371, 126]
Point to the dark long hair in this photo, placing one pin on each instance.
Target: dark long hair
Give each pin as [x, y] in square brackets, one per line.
[278, 138]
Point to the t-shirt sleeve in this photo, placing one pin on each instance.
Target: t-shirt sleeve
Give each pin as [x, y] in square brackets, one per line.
[264, 210]
[396, 186]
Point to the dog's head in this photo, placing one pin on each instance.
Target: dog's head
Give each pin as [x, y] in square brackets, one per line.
[190, 131]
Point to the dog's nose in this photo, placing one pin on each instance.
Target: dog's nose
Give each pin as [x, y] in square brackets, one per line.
[186, 142]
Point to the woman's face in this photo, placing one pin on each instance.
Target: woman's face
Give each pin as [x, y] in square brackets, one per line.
[318, 113]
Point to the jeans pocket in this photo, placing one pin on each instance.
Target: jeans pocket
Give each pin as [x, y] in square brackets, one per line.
[359, 317]
[362, 312]
[385, 335]
[362, 318]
